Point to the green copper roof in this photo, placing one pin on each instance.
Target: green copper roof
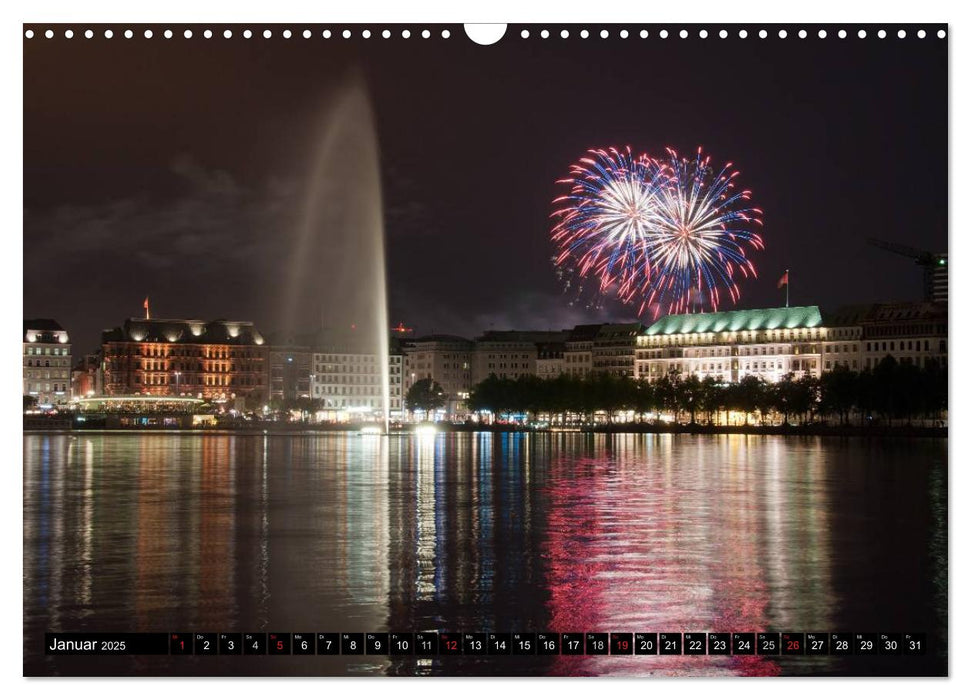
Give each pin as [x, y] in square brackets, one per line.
[744, 320]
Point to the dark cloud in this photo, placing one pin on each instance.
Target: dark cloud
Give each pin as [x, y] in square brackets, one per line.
[201, 245]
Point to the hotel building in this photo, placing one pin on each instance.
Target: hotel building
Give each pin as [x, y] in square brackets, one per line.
[47, 362]
[730, 345]
[185, 357]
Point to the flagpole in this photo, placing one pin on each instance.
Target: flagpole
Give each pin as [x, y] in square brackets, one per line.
[787, 288]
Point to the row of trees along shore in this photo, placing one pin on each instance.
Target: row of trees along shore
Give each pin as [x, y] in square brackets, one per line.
[891, 391]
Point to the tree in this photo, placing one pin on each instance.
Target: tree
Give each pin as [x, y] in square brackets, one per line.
[748, 395]
[839, 389]
[690, 396]
[30, 402]
[784, 396]
[425, 395]
[713, 396]
[807, 396]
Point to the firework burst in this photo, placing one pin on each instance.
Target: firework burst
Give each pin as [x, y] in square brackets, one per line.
[604, 222]
[668, 234]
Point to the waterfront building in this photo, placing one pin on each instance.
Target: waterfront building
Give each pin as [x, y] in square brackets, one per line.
[219, 360]
[445, 359]
[730, 345]
[910, 332]
[614, 348]
[142, 411]
[289, 370]
[510, 354]
[396, 376]
[549, 359]
[578, 350]
[87, 377]
[347, 384]
[47, 362]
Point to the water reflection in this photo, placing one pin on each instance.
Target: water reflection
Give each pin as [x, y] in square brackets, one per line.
[482, 532]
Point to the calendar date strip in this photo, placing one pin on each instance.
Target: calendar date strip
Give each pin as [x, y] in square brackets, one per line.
[427, 644]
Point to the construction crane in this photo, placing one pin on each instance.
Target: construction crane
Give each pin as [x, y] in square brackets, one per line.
[933, 264]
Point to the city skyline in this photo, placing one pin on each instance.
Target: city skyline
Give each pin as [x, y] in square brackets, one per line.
[192, 201]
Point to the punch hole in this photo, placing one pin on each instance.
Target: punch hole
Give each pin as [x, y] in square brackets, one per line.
[486, 34]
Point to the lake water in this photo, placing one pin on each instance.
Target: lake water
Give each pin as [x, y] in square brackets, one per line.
[461, 532]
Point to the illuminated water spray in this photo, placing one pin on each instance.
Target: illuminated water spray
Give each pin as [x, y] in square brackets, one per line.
[336, 277]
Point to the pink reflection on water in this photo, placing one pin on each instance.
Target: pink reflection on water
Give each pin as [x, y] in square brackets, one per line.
[636, 545]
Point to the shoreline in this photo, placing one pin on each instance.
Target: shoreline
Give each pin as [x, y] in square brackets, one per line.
[881, 431]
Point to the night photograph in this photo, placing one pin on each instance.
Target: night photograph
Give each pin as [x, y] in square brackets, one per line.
[579, 350]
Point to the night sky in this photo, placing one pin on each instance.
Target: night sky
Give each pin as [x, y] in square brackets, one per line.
[177, 168]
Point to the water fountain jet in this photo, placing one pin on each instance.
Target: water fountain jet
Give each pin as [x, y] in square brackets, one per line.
[337, 266]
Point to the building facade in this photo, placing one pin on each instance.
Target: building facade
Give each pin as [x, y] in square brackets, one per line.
[47, 362]
[549, 359]
[914, 333]
[615, 348]
[730, 345]
[87, 377]
[578, 350]
[218, 360]
[445, 359]
[288, 372]
[396, 377]
[348, 385]
[510, 354]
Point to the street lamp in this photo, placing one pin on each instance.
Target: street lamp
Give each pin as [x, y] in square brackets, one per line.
[177, 375]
